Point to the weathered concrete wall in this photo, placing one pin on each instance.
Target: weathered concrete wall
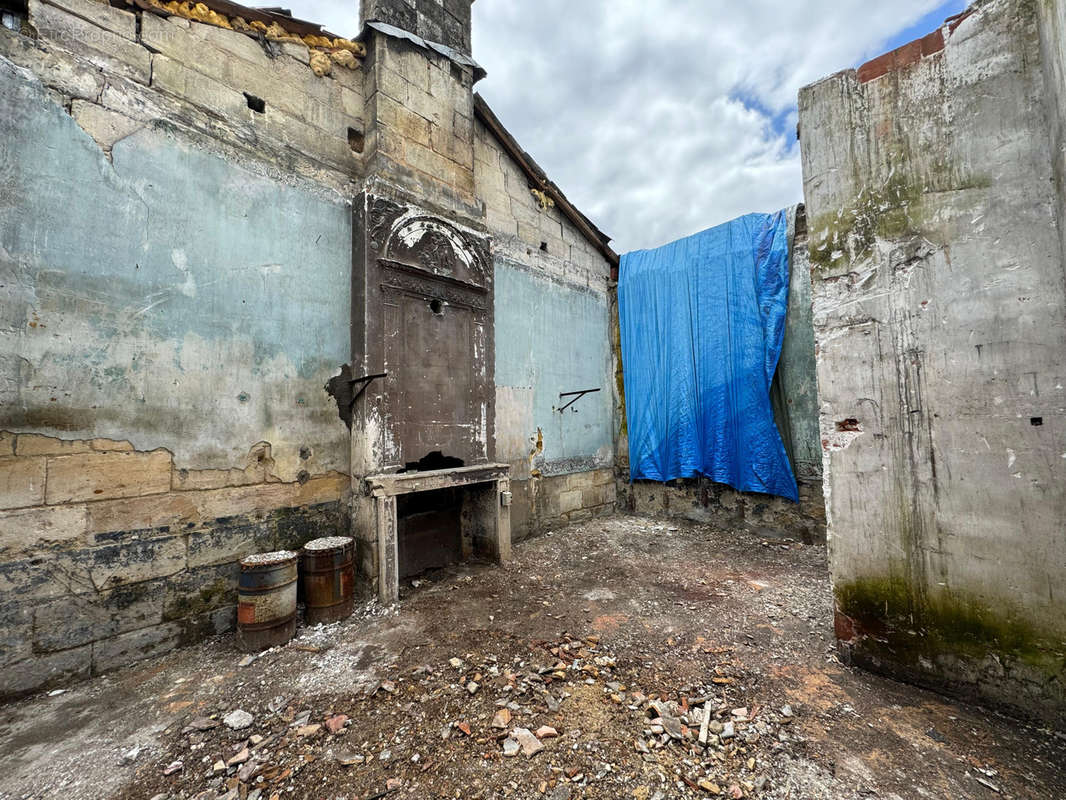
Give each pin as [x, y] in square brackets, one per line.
[551, 337]
[176, 269]
[1053, 50]
[939, 318]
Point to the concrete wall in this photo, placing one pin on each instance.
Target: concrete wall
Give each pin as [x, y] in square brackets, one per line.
[551, 337]
[939, 318]
[176, 270]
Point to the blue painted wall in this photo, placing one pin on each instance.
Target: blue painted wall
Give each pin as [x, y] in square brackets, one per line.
[551, 337]
[173, 297]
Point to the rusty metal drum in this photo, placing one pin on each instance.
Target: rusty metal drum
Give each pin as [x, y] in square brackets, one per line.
[266, 600]
[328, 573]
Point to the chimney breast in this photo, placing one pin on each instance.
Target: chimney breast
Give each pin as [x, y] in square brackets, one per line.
[443, 21]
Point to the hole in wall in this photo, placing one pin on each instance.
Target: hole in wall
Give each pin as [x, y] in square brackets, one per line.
[849, 424]
[436, 305]
[544, 246]
[13, 14]
[257, 104]
[356, 140]
[431, 461]
[1036, 422]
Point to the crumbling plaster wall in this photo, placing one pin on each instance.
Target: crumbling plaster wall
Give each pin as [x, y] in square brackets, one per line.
[177, 272]
[939, 318]
[551, 337]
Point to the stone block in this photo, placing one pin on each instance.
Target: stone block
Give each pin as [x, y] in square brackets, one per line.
[312, 141]
[78, 619]
[53, 68]
[198, 89]
[227, 543]
[569, 500]
[109, 566]
[406, 123]
[44, 671]
[40, 577]
[100, 13]
[242, 501]
[434, 164]
[108, 445]
[100, 476]
[30, 529]
[16, 631]
[114, 520]
[21, 482]
[32, 444]
[96, 44]
[7, 444]
[296, 527]
[128, 648]
[200, 590]
[106, 127]
[212, 623]
[597, 496]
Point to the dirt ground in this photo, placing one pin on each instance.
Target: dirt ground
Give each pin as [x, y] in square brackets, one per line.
[619, 634]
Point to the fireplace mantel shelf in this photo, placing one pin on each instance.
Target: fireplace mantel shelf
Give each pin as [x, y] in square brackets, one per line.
[391, 484]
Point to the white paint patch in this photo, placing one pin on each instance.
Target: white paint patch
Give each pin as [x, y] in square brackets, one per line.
[1011, 458]
[181, 264]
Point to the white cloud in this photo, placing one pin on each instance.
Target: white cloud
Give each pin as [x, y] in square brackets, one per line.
[656, 116]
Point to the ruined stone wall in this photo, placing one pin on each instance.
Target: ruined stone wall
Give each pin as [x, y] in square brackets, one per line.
[551, 336]
[939, 318]
[176, 271]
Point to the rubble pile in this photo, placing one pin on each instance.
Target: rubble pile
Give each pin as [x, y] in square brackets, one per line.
[562, 720]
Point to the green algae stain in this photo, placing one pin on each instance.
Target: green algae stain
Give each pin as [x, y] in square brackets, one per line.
[917, 624]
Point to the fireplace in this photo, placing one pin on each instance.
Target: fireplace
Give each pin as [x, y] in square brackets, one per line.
[421, 393]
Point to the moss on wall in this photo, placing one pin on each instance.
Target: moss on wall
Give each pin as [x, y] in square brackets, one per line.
[914, 625]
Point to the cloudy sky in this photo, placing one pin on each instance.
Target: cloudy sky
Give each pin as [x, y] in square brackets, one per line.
[660, 118]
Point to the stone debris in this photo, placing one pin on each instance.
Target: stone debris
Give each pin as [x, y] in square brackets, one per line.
[502, 719]
[546, 732]
[335, 724]
[511, 747]
[530, 744]
[238, 720]
[172, 767]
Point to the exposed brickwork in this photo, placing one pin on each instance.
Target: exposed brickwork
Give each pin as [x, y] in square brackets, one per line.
[902, 57]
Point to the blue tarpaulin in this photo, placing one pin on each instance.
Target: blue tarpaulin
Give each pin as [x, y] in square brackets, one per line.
[702, 322]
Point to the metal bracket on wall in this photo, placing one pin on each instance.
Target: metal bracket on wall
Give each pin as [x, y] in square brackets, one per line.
[363, 382]
[576, 396]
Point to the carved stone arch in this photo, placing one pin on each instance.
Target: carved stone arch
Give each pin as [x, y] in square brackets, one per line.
[437, 247]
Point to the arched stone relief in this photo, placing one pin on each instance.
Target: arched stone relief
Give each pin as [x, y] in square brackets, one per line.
[435, 246]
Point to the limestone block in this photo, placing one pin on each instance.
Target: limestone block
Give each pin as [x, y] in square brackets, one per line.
[102, 14]
[16, 631]
[109, 566]
[128, 648]
[200, 590]
[228, 543]
[403, 121]
[159, 512]
[570, 500]
[21, 482]
[198, 89]
[98, 45]
[34, 673]
[32, 444]
[28, 529]
[244, 500]
[106, 127]
[392, 84]
[78, 619]
[7, 444]
[99, 476]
